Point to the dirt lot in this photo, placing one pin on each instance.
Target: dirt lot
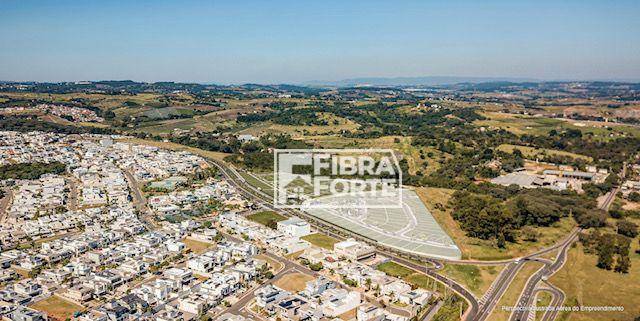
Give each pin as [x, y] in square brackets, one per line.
[293, 282]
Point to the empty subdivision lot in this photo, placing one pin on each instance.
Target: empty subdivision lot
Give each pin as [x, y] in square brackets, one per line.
[411, 228]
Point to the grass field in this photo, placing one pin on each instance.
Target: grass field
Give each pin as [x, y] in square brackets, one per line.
[510, 297]
[522, 124]
[531, 152]
[196, 246]
[587, 285]
[410, 276]
[321, 240]
[299, 131]
[257, 183]
[476, 279]
[477, 249]
[57, 308]
[265, 217]
[293, 282]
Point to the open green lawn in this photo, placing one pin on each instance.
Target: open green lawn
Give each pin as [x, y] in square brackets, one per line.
[321, 240]
[265, 217]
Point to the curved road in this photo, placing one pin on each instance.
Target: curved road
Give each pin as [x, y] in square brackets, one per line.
[527, 296]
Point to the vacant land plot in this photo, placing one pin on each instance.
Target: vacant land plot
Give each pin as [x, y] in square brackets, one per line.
[476, 279]
[410, 276]
[395, 269]
[196, 246]
[321, 240]
[532, 153]
[57, 308]
[436, 200]
[273, 264]
[266, 217]
[293, 282]
[411, 228]
[349, 315]
[587, 285]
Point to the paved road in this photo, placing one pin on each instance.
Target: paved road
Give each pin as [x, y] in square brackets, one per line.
[475, 312]
[5, 202]
[501, 284]
[558, 297]
[610, 197]
[139, 201]
[527, 295]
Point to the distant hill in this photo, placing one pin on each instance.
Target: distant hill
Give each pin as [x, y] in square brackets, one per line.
[414, 81]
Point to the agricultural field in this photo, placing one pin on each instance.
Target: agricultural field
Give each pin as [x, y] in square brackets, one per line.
[521, 124]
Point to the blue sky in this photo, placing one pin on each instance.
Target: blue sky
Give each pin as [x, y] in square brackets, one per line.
[296, 41]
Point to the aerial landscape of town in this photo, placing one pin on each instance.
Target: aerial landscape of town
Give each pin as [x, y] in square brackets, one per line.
[254, 194]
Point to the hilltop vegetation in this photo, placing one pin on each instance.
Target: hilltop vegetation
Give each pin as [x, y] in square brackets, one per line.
[30, 170]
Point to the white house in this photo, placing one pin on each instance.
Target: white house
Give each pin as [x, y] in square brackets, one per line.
[295, 227]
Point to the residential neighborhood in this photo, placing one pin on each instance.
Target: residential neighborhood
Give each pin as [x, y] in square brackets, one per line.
[135, 232]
